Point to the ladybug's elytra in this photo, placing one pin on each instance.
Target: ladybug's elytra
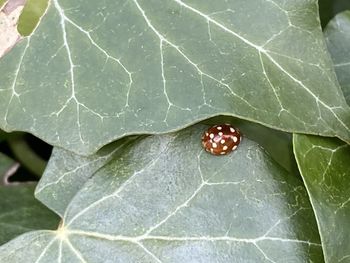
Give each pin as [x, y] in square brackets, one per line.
[221, 139]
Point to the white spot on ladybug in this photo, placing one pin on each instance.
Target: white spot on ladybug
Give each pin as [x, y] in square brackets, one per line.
[221, 139]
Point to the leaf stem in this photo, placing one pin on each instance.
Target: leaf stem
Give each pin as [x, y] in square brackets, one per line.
[26, 156]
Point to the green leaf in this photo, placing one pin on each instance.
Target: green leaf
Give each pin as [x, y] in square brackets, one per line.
[67, 172]
[20, 212]
[324, 165]
[32, 12]
[164, 199]
[2, 3]
[324, 162]
[337, 35]
[6, 136]
[25, 154]
[106, 70]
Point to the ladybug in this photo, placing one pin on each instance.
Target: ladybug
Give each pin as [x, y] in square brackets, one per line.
[221, 139]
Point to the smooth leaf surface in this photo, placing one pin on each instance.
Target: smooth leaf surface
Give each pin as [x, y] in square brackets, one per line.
[32, 12]
[165, 200]
[324, 165]
[337, 35]
[324, 162]
[20, 212]
[67, 172]
[105, 70]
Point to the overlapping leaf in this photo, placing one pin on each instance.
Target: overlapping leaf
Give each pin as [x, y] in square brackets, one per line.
[324, 162]
[95, 71]
[163, 199]
[324, 165]
[337, 34]
[66, 172]
[20, 212]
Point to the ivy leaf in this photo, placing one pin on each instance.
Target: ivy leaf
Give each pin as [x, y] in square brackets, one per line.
[324, 165]
[337, 35]
[164, 199]
[156, 66]
[32, 12]
[67, 172]
[21, 212]
[324, 162]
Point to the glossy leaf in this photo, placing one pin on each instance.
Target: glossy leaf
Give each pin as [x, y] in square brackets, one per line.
[67, 172]
[103, 70]
[20, 212]
[324, 162]
[164, 199]
[337, 35]
[324, 165]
